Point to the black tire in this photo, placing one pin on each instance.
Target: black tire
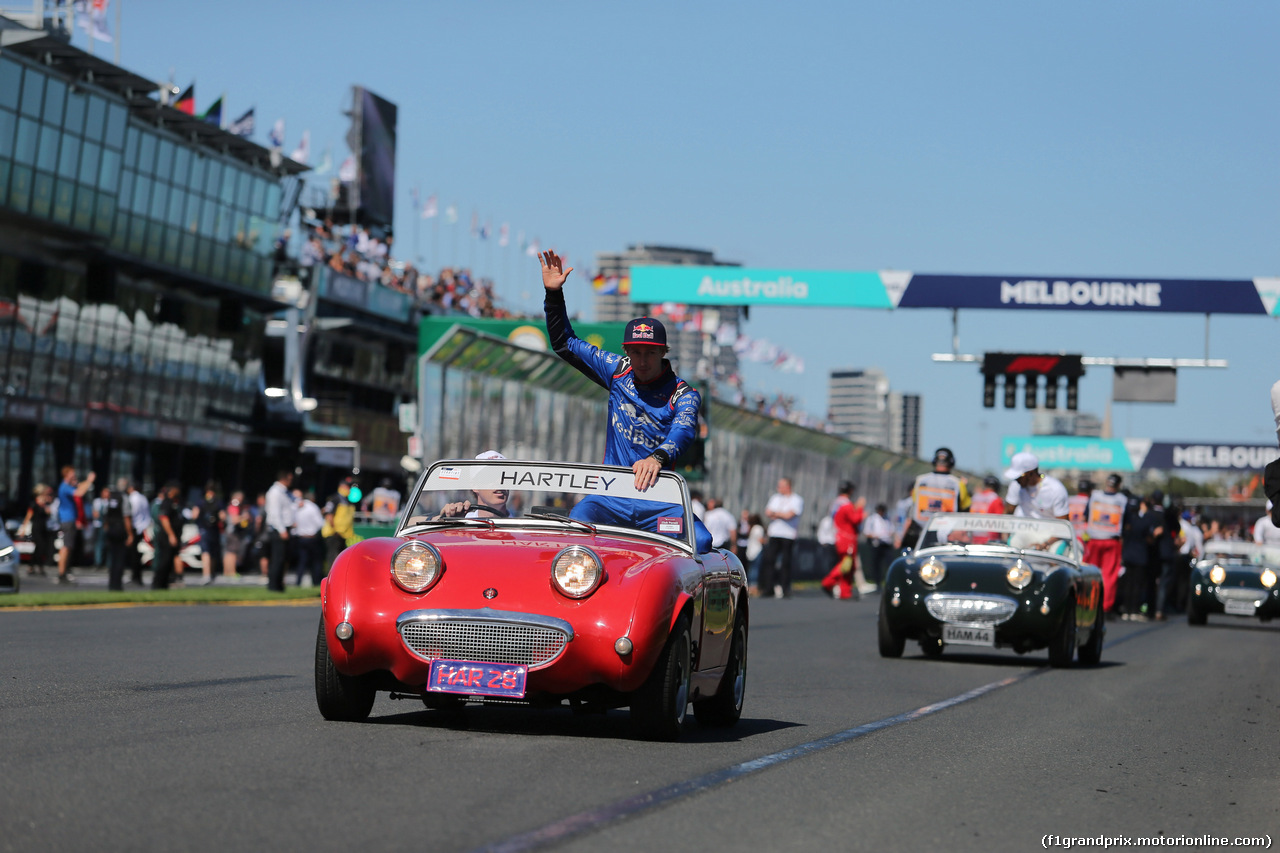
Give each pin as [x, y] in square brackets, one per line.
[1196, 614]
[340, 697]
[1062, 645]
[725, 708]
[931, 646]
[659, 707]
[891, 642]
[1090, 654]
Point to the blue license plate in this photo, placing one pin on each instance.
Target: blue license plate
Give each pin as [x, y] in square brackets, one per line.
[477, 679]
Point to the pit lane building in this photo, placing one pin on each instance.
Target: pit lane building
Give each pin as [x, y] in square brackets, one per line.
[135, 276]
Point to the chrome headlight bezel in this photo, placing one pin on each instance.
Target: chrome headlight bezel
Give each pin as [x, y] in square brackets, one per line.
[576, 572]
[1268, 578]
[932, 571]
[1217, 574]
[1019, 575]
[416, 577]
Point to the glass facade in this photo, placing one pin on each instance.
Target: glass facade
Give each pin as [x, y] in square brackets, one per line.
[74, 156]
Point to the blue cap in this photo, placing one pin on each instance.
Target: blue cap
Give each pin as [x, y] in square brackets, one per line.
[645, 330]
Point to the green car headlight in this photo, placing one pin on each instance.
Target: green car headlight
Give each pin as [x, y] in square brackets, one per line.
[1217, 574]
[1268, 578]
[1019, 575]
[933, 571]
[416, 566]
[576, 571]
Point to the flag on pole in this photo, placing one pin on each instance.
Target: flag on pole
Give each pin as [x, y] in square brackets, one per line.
[430, 209]
[347, 171]
[213, 114]
[534, 249]
[187, 101]
[326, 163]
[484, 231]
[93, 18]
[276, 137]
[242, 126]
[303, 152]
[413, 198]
[504, 235]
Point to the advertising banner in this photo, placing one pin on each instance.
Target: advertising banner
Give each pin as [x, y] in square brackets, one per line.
[1065, 451]
[725, 285]
[1206, 456]
[530, 334]
[746, 286]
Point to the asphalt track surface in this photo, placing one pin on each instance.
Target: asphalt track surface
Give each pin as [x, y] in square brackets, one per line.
[195, 728]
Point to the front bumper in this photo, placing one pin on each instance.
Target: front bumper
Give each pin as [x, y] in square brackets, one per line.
[1021, 621]
[1233, 598]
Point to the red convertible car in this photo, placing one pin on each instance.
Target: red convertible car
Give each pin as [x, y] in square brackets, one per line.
[491, 591]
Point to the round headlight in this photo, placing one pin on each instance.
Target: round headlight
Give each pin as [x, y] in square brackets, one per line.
[576, 572]
[416, 566]
[1268, 578]
[933, 571]
[1217, 574]
[1019, 575]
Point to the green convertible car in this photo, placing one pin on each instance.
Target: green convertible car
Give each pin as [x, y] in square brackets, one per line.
[1235, 579]
[994, 581]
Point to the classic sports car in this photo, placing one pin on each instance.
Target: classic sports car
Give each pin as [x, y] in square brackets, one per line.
[189, 553]
[9, 563]
[994, 581]
[518, 602]
[1235, 578]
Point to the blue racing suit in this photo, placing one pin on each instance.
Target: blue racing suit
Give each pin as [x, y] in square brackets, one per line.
[645, 419]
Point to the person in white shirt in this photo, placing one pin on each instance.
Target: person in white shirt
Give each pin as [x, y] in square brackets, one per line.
[140, 512]
[280, 517]
[783, 512]
[1265, 531]
[309, 547]
[488, 503]
[720, 522]
[877, 537]
[1031, 493]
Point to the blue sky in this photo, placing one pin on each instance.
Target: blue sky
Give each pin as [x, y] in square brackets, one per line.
[1088, 139]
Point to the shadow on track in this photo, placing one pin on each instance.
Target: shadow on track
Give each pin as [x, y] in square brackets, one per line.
[562, 722]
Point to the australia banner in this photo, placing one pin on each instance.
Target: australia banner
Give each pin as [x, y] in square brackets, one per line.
[1139, 454]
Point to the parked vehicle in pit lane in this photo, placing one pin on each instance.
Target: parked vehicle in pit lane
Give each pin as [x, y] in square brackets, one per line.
[994, 581]
[539, 608]
[9, 562]
[1234, 579]
[189, 551]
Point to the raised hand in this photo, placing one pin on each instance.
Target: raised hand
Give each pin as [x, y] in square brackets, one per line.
[553, 271]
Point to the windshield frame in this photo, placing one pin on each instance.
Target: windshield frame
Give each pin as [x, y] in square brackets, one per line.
[572, 477]
[993, 523]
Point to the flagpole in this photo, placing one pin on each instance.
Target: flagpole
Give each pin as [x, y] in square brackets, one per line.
[119, 3]
[435, 234]
[417, 220]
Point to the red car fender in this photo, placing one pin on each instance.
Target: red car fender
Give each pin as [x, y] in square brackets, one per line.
[659, 604]
[366, 566]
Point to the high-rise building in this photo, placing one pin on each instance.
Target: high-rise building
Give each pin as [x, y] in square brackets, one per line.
[862, 407]
[693, 332]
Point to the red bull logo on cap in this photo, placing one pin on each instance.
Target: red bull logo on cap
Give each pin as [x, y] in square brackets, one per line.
[642, 330]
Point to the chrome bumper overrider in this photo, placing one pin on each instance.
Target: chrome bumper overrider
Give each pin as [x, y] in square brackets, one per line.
[485, 636]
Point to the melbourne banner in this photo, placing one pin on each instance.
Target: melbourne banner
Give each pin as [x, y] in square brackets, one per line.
[726, 285]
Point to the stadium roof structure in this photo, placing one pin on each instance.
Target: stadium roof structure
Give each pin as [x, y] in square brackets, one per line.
[140, 93]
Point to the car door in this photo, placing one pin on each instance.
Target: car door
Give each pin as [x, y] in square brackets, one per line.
[717, 608]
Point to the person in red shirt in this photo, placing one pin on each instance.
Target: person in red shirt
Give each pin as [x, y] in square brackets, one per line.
[988, 501]
[847, 515]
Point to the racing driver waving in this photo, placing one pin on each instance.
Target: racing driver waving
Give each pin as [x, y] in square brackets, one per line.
[653, 414]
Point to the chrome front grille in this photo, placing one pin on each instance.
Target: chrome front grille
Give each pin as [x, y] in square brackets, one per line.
[1240, 593]
[485, 636]
[964, 609]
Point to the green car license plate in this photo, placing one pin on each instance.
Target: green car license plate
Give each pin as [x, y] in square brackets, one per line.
[968, 635]
[1240, 608]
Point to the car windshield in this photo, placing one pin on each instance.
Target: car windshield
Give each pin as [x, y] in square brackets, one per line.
[1236, 553]
[509, 492]
[1053, 535]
